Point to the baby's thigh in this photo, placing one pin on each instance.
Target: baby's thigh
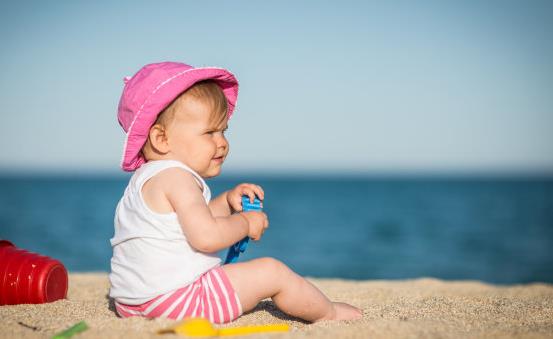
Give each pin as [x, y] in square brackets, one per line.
[256, 280]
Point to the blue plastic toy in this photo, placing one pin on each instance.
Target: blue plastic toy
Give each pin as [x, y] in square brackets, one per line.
[235, 250]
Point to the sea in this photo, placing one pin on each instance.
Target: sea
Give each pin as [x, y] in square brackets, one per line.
[497, 230]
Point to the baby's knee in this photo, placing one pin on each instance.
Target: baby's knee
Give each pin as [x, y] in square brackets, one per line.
[274, 265]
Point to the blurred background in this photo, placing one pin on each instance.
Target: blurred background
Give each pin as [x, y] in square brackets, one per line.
[394, 140]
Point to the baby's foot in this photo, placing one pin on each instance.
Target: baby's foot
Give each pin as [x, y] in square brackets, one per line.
[343, 311]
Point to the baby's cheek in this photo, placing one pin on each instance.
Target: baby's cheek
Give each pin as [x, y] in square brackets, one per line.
[213, 149]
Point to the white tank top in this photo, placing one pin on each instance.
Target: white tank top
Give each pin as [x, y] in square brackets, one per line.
[151, 255]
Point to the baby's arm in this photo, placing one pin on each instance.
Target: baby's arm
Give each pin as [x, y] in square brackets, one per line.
[203, 231]
[219, 206]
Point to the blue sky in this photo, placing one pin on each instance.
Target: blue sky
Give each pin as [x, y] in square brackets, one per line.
[368, 87]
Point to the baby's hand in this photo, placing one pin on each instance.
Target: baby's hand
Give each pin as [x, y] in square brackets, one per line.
[257, 223]
[234, 196]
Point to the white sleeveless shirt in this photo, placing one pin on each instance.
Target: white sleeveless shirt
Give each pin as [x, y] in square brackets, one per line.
[151, 255]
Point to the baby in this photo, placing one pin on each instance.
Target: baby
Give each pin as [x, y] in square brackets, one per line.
[168, 230]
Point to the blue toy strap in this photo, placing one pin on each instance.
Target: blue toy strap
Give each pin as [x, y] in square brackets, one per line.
[235, 250]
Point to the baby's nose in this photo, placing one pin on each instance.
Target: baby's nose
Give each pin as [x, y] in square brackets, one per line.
[222, 141]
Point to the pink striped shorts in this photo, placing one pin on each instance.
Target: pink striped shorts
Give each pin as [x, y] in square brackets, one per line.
[211, 296]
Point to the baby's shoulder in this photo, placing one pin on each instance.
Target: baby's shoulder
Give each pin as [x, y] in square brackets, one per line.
[156, 190]
[172, 177]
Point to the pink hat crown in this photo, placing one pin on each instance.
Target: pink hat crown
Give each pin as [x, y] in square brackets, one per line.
[151, 90]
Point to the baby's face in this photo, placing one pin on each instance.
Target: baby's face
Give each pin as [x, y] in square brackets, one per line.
[195, 141]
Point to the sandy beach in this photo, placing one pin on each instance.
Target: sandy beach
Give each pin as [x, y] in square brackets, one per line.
[426, 308]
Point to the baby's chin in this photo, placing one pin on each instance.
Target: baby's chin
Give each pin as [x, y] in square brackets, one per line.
[212, 173]
[209, 176]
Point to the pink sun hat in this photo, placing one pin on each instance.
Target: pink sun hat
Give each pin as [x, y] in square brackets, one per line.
[151, 90]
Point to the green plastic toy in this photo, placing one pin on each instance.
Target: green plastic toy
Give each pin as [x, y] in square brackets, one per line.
[71, 331]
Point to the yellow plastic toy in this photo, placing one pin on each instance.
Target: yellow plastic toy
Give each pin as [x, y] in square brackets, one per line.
[201, 327]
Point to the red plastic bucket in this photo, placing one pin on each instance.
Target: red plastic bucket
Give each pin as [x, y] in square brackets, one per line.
[29, 278]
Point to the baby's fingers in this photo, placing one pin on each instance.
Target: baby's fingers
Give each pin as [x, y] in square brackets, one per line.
[265, 221]
[236, 203]
[258, 191]
[252, 191]
[247, 189]
[251, 195]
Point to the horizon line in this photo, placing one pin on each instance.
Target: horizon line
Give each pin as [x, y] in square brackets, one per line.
[298, 173]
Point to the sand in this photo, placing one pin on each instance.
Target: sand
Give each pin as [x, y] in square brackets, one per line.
[424, 308]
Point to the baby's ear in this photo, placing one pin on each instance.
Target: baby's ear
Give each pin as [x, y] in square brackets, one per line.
[158, 139]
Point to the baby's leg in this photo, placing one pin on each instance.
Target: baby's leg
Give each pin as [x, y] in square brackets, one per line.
[262, 278]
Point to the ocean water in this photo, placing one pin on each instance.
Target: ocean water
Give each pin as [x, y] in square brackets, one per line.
[498, 231]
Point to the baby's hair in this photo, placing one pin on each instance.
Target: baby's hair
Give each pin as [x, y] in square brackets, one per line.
[207, 91]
